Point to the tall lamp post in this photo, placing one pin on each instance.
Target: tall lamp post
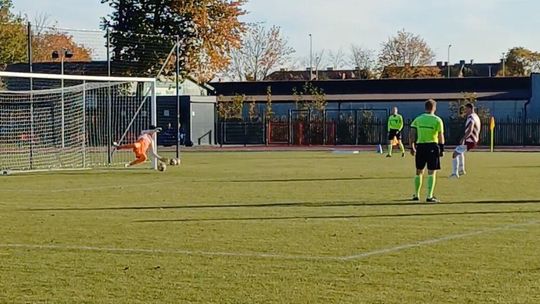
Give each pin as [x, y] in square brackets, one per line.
[62, 54]
[504, 64]
[448, 66]
[310, 57]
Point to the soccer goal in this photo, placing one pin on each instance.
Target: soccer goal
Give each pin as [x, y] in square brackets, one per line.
[52, 122]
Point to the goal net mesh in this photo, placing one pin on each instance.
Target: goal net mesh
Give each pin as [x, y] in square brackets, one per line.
[68, 124]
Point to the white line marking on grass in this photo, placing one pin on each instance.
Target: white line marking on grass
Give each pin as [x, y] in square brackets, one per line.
[435, 241]
[170, 251]
[270, 255]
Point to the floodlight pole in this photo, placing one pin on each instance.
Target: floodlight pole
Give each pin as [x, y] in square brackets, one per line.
[504, 64]
[310, 57]
[448, 66]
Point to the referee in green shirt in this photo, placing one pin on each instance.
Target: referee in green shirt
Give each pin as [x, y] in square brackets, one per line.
[395, 125]
[427, 145]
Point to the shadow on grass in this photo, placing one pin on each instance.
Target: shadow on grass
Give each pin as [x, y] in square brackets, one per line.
[397, 203]
[337, 217]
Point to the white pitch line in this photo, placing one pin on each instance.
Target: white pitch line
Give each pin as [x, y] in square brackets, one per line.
[434, 241]
[167, 251]
[269, 255]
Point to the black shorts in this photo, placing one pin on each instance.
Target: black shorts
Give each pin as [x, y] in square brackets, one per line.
[428, 154]
[394, 133]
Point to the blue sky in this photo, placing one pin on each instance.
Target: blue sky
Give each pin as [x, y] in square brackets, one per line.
[477, 29]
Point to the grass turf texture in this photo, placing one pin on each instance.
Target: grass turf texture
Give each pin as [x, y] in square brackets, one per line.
[280, 227]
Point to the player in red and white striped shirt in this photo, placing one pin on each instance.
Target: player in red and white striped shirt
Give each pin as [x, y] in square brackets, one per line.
[467, 142]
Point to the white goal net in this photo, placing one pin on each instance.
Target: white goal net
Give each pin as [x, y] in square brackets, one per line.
[50, 122]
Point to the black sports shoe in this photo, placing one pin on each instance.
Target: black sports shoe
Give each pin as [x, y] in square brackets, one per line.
[388, 155]
[433, 200]
[415, 198]
[402, 154]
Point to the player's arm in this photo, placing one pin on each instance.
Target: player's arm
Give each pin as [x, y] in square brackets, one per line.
[468, 132]
[154, 154]
[388, 124]
[412, 139]
[441, 138]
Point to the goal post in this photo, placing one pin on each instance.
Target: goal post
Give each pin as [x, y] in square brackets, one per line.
[51, 121]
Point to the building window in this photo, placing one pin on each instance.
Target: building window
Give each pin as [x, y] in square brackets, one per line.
[166, 113]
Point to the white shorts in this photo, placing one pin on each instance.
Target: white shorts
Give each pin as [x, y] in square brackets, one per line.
[461, 149]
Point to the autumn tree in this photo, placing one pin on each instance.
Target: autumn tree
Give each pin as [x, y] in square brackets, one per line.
[52, 39]
[219, 30]
[405, 48]
[520, 61]
[363, 61]
[263, 50]
[12, 36]
[145, 31]
[407, 71]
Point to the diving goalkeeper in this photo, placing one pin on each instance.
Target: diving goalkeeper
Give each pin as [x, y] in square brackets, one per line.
[144, 142]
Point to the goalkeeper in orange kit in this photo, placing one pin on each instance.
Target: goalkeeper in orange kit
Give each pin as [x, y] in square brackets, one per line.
[144, 142]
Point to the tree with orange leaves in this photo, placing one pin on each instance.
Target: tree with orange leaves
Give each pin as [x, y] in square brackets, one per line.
[51, 40]
[219, 30]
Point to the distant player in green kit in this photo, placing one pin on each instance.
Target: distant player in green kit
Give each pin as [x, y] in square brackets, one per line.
[427, 145]
[395, 125]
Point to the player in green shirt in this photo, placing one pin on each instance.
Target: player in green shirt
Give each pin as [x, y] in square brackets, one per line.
[427, 145]
[395, 125]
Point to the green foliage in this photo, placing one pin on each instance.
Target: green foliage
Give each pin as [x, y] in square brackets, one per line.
[253, 112]
[269, 111]
[13, 40]
[143, 32]
[310, 98]
[520, 61]
[231, 109]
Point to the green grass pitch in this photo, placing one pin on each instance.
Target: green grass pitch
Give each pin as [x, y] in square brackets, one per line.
[273, 227]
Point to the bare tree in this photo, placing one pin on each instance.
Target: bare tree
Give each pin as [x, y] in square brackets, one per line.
[364, 61]
[337, 58]
[318, 61]
[262, 51]
[405, 48]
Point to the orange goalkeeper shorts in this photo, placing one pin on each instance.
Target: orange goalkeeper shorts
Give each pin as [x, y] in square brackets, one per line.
[140, 148]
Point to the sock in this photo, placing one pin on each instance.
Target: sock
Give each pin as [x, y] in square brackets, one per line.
[390, 149]
[432, 179]
[455, 165]
[417, 185]
[402, 148]
[462, 162]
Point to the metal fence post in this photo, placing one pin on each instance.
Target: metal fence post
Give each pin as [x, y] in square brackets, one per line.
[30, 69]
[177, 83]
[109, 100]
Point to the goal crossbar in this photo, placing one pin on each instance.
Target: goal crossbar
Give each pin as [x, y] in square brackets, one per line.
[75, 77]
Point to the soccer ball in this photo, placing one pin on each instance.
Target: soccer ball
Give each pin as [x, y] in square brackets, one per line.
[162, 166]
[174, 162]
